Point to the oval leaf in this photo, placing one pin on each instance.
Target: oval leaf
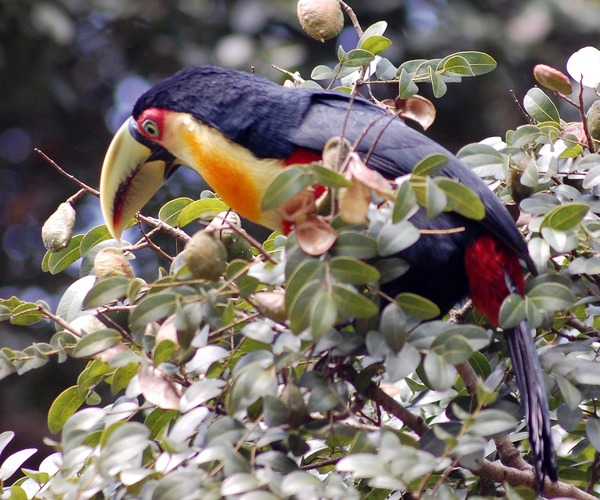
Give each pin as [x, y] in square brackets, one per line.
[96, 342]
[351, 304]
[461, 199]
[353, 271]
[540, 107]
[287, 184]
[418, 306]
[169, 212]
[199, 209]
[65, 405]
[566, 216]
[431, 165]
[106, 291]
[397, 237]
[59, 261]
[153, 308]
[512, 311]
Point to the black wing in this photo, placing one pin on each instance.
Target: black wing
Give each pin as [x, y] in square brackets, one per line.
[393, 149]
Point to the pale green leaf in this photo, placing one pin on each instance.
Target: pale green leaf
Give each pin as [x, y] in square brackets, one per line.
[65, 405]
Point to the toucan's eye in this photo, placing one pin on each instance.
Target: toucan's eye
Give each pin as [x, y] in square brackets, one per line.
[151, 128]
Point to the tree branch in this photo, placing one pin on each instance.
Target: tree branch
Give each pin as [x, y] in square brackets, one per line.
[495, 471]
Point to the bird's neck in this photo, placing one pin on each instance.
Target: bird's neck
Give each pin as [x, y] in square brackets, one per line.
[232, 171]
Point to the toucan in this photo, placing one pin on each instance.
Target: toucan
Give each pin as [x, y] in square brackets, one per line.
[239, 131]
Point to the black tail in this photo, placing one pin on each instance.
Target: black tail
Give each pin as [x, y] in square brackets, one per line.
[534, 400]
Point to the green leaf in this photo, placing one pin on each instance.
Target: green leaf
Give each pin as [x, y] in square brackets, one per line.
[592, 178]
[437, 84]
[407, 87]
[385, 70]
[287, 184]
[482, 156]
[566, 216]
[456, 64]
[4, 313]
[461, 199]
[106, 291]
[405, 204]
[551, 296]
[561, 241]
[432, 164]
[170, 211]
[492, 422]
[322, 72]
[153, 308]
[351, 304]
[94, 372]
[122, 376]
[93, 237]
[479, 63]
[308, 270]
[65, 405]
[300, 305]
[429, 195]
[26, 313]
[540, 107]
[394, 238]
[59, 261]
[592, 429]
[376, 29]
[415, 68]
[157, 421]
[323, 313]
[355, 244]
[418, 306]
[375, 44]
[96, 342]
[525, 135]
[182, 483]
[71, 303]
[327, 177]
[199, 209]
[455, 349]
[11, 464]
[393, 327]
[512, 311]
[570, 393]
[353, 271]
[356, 58]
[440, 374]
[276, 412]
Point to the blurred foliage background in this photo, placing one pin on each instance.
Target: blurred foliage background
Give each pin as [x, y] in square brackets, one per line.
[70, 71]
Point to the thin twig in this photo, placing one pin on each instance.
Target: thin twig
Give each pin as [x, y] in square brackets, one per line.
[151, 244]
[76, 196]
[350, 13]
[584, 121]
[83, 185]
[521, 109]
[59, 321]
[164, 227]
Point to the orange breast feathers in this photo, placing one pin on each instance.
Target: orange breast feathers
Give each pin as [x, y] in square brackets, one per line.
[232, 171]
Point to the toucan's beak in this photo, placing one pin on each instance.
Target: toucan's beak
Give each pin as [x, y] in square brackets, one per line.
[131, 173]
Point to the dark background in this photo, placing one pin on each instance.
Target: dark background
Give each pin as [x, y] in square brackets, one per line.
[71, 69]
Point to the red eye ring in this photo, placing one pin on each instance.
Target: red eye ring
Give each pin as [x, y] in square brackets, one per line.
[151, 128]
